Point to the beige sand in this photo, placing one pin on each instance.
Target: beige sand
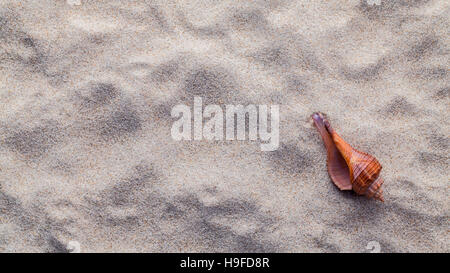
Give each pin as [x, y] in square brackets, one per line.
[86, 153]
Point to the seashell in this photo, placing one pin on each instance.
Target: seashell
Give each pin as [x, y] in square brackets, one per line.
[349, 169]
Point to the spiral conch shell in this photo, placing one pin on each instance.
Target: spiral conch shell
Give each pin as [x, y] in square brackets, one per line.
[349, 169]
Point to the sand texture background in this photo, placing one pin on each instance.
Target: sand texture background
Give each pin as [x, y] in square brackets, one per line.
[86, 153]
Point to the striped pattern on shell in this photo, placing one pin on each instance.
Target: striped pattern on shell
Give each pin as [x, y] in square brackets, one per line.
[365, 170]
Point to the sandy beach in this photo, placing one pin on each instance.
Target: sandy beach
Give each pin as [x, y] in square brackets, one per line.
[86, 152]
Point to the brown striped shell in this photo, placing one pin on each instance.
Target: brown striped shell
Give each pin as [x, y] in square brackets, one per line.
[349, 168]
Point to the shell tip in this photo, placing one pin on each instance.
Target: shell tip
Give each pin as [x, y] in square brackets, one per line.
[317, 116]
[379, 196]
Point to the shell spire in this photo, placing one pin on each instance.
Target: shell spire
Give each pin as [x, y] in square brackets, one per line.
[349, 168]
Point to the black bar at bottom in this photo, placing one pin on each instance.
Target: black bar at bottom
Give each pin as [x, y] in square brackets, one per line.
[210, 262]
